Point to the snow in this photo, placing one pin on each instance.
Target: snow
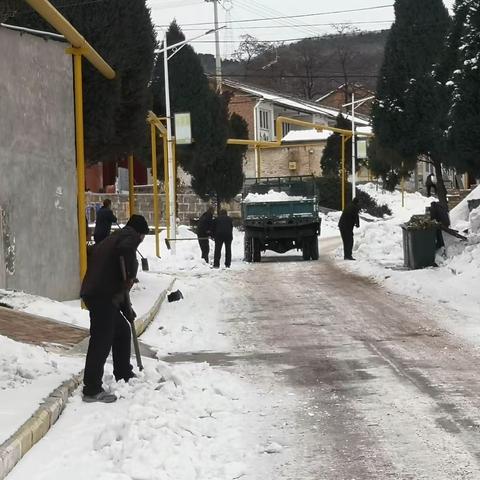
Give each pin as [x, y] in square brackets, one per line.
[459, 215]
[179, 420]
[271, 196]
[188, 417]
[306, 136]
[28, 373]
[454, 283]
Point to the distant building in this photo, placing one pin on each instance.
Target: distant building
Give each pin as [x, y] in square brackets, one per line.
[260, 108]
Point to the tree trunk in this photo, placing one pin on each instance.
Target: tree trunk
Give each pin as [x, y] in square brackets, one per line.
[441, 189]
[218, 206]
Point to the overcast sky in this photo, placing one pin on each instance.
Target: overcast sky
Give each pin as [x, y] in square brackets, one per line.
[196, 11]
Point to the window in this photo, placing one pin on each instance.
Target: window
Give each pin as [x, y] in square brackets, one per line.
[264, 120]
[286, 127]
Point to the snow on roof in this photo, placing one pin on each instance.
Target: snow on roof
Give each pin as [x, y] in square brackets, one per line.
[289, 101]
[306, 136]
[364, 129]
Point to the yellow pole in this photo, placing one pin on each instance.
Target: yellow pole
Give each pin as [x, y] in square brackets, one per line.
[343, 171]
[153, 133]
[174, 174]
[79, 139]
[165, 183]
[259, 162]
[131, 191]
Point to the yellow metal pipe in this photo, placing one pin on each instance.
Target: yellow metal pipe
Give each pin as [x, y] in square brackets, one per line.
[131, 190]
[253, 143]
[81, 211]
[174, 176]
[48, 12]
[344, 140]
[259, 162]
[153, 134]
[165, 183]
[301, 123]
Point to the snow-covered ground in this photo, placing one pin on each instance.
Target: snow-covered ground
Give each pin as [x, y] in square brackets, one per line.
[176, 421]
[454, 283]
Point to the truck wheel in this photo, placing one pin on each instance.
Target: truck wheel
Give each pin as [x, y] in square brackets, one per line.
[306, 249]
[314, 248]
[247, 248]
[256, 250]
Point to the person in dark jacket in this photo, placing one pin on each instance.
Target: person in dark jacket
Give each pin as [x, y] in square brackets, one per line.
[105, 218]
[223, 234]
[205, 230]
[102, 291]
[439, 213]
[348, 220]
[430, 182]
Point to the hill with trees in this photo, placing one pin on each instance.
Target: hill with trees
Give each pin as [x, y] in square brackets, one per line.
[309, 68]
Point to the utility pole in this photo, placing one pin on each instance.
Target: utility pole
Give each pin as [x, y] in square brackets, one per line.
[218, 60]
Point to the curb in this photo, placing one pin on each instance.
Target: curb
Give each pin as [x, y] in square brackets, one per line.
[35, 428]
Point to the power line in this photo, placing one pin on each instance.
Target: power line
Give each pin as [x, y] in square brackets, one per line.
[295, 16]
[374, 22]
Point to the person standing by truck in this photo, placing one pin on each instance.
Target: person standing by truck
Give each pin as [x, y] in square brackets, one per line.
[348, 220]
[223, 234]
[103, 224]
[205, 230]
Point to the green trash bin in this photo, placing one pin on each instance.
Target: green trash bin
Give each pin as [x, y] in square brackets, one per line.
[419, 246]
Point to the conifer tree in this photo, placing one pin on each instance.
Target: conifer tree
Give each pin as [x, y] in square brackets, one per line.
[406, 112]
[190, 92]
[332, 153]
[114, 110]
[464, 133]
[223, 179]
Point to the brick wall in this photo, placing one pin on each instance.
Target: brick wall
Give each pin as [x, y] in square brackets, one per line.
[243, 105]
[189, 206]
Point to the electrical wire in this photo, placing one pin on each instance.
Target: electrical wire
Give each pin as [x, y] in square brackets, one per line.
[294, 16]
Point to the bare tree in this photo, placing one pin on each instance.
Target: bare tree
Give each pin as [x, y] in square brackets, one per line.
[345, 52]
[249, 49]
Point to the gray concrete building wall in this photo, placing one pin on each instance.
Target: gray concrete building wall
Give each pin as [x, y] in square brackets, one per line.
[37, 167]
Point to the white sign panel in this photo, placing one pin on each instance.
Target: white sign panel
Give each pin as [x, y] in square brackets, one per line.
[183, 131]
[362, 149]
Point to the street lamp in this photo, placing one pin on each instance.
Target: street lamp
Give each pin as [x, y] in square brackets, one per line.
[355, 103]
[171, 177]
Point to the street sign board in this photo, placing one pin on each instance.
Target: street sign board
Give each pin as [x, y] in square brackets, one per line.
[183, 131]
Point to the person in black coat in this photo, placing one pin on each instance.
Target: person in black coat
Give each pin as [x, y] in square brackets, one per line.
[105, 218]
[103, 291]
[205, 230]
[348, 220]
[223, 233]
[439, 213]
[430, 183]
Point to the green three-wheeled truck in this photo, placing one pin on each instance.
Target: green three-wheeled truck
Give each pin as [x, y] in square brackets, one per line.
[280, 222]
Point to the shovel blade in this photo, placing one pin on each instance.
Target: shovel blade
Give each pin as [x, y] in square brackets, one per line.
[145, 267]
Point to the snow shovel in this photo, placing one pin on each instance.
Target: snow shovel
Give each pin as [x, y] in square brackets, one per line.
[168, 240]
[130, 316]
[144, 260]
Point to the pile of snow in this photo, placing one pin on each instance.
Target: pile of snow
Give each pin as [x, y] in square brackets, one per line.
[28, 373]
[271, 196]
[459, 216]
[329, 224]
[379, 252]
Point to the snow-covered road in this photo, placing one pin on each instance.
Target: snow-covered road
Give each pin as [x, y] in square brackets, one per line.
[280, 370]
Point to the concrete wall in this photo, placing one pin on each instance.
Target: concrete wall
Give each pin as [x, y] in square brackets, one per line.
[275, 162]
[37, 167]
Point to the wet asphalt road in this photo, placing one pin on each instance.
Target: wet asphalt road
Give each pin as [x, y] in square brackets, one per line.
[379, 391]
